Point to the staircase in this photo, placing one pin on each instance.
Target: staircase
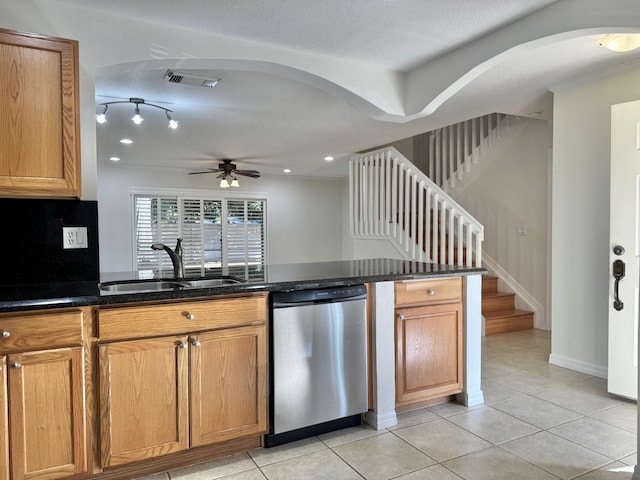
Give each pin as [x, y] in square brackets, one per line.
[499, 311]
[393, 199]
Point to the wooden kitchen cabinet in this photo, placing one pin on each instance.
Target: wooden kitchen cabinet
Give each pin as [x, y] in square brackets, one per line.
[143, 393]
[4, 421]
[43, 372]
[429, 342]
[39, 116]
[228, 384]
[202, 382]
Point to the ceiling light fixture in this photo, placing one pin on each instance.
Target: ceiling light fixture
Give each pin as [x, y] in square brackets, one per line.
[102, 117]
[114, 159]
[137, 117]
[126, 141]
[229, 181]
[621, 42]
[329, 158]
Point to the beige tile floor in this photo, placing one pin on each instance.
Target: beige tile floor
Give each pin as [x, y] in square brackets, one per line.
[539, 422]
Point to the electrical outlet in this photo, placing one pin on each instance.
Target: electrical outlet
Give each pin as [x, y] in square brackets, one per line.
[74, 237]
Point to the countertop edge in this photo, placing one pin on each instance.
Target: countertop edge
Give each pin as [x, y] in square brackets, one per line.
[105, 300]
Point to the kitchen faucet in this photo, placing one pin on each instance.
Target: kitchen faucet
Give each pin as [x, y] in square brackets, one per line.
[175, 255]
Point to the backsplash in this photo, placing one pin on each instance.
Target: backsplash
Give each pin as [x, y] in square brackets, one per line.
[31, 246]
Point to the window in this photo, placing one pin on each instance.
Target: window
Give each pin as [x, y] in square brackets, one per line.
[224, 236]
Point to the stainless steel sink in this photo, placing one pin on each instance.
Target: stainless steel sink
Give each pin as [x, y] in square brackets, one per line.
[130, 286]
[209, 282]
[134, 286]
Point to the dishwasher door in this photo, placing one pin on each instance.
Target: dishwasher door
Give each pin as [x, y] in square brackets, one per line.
[319, 363]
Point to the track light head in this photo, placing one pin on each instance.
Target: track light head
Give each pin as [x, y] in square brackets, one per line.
[173, 124]
[137, 118]
[102, 117]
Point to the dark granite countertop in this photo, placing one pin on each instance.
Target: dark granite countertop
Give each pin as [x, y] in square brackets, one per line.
[284, 277]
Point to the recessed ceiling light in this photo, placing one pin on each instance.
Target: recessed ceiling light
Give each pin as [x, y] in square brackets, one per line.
[114, 159]
[328, 158]
[126, 141]
[287, 170]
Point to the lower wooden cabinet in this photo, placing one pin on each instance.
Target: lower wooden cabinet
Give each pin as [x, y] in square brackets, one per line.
[228, 382]
[42, 396]
[429, 340]
[169, 393]
[143, 399]
[4, 421]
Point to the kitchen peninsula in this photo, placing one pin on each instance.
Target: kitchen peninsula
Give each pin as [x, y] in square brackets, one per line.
[103, 335]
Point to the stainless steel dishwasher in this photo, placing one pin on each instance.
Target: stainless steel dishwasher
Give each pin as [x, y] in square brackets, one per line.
[318, 362]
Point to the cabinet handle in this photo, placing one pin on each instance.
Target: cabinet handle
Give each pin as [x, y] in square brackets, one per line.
[6, 334]
[195, 343]
[189, 316]
[182, 345]
[431, 292]
[16, 365]
[400, 317]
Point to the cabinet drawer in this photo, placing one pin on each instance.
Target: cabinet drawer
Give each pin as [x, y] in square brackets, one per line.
[428, 291]
[36, 331]
[180, 317]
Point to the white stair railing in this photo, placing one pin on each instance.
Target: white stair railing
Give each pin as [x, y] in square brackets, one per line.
[391, 198]
[449, 155]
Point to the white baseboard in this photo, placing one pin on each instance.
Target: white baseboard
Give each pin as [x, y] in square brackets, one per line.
[389, 419]
[522, 295]
[580, 366]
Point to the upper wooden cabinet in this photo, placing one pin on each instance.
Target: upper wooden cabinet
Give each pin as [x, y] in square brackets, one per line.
[39, 116]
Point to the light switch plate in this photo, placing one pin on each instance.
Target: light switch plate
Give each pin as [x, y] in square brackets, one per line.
[74, 237]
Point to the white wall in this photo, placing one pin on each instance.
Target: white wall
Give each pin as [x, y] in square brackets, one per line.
[510, 193]
[580, 225]
[304, 216]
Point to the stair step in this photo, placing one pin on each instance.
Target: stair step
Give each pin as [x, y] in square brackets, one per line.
[497, 302]
[489, 284]
[507, 321]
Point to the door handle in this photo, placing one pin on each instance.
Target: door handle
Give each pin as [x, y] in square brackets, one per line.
[618, 274]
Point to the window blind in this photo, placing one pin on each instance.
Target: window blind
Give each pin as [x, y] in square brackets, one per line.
[219, 235]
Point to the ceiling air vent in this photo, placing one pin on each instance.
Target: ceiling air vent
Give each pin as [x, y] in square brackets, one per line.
[189, 78]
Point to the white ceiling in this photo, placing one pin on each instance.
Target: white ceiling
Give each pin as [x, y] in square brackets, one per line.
[270, 121]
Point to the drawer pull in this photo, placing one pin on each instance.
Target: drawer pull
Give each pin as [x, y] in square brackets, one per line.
[189, 316]
[182, 345]
[431, 292]
[16, 365]
[6, 334]
[195, 343]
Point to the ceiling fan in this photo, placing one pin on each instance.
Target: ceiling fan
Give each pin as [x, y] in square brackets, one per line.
[227, 172]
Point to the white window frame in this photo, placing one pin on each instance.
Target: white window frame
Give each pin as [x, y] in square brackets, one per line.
[196, 193]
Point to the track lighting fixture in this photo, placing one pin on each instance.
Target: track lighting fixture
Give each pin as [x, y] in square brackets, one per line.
[137, 117]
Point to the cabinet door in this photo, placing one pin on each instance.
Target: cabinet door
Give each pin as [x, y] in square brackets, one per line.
[4, 424]
[143, 399]
[40, 135]
[428, 352]
[47, 414]
[228, 384]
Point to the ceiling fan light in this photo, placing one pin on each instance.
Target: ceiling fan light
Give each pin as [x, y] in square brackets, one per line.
[235, 183]
[137, 118]
[224, 183]
[621, 42]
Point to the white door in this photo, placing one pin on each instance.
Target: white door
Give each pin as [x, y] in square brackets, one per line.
[624, 249]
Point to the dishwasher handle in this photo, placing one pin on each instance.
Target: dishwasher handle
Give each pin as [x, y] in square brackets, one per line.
[317, 296]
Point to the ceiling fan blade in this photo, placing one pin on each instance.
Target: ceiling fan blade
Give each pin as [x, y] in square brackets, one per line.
[211, 170]
[248, 173]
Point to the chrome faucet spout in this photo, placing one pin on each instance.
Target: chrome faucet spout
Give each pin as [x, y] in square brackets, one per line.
[175, 256]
